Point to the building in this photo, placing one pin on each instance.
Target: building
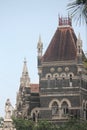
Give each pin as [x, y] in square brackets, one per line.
[62, 89]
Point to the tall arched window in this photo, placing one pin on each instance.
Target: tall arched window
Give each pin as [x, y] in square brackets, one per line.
[48, 80]
[65, 109]
[70, 80]
[55, 108]
[48, 77]
[63, 76]
[55, 80]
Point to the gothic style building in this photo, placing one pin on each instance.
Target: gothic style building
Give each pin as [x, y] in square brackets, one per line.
[62, 88]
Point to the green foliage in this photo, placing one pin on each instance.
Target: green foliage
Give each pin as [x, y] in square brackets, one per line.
[22, 124]
[72, 124]
[75, 124]
[46, 125]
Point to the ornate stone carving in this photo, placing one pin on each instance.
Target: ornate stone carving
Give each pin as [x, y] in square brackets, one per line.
[8, 109]
[59, 69]
[66, 69]
[52, 69]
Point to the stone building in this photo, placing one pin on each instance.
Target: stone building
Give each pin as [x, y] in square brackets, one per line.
[62, 88]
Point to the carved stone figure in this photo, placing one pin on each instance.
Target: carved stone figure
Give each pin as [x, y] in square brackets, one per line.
[8, 109]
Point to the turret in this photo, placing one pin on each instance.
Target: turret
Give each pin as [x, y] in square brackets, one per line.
[79, 49]
[40, 47]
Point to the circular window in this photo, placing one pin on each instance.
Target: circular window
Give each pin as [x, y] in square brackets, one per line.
[59, 69]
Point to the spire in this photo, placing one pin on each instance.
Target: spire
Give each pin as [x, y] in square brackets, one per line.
[25, 70]
[79, 45]
[40, 46]
[25, 80]
[79, 49]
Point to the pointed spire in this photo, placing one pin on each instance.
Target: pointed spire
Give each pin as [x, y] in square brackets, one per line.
[40, 46]
[25, 70]
[25, 80]
[79, 41]
[79, 49]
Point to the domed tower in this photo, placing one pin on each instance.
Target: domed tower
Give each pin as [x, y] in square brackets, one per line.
[62, 92]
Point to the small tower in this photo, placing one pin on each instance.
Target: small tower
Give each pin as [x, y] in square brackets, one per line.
[79, 49]
[40, 47]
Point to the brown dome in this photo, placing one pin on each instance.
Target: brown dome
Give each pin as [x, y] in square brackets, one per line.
[62, 46]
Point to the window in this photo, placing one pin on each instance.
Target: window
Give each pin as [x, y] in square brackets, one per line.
[54, 108]
[65, 109]
[70, 80]
[55, 80]
[63, 82]
[48, 80]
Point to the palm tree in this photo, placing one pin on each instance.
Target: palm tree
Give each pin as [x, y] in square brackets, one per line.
[78, 10]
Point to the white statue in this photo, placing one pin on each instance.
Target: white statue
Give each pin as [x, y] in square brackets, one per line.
[8, 109]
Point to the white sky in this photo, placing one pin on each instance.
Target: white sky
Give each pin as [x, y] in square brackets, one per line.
[21, 22]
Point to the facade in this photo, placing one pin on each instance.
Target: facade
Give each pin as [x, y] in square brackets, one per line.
[62, 88]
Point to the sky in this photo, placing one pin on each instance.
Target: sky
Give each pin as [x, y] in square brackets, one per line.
[21, 23]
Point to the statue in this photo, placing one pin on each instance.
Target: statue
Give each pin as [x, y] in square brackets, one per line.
[8, 109]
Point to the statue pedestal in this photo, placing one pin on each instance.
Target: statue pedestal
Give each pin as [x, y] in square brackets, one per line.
[8, 125]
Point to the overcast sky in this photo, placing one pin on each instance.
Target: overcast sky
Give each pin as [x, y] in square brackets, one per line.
[21, 23]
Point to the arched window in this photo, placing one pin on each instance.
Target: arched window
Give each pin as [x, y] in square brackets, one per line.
[84, 110]
[56, 80]
[55, 108]
[65, 109]
[48, 81]
[55, 76]
[70, 80]
[71, 75]
[48, 77]
[35, 115]
[63, 76]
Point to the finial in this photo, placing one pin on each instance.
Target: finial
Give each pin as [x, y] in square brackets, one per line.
[25, 60]
[25, 70]
[65, 21]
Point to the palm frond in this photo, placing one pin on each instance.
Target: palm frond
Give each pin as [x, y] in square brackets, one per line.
[78, 10]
